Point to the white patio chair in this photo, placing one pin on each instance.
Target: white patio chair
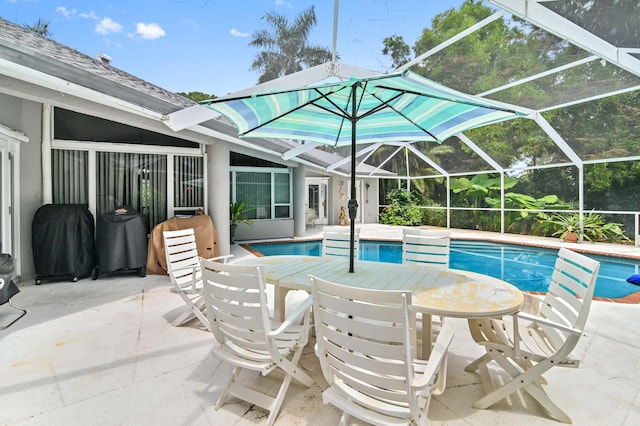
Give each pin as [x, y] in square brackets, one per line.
[236, 305]
[183, 267]
[425, 246]
[336, 241]
[542, 335]
[365, 344]
[428, 248]
[311, 217]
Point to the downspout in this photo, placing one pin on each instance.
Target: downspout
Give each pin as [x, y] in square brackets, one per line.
[47, 137]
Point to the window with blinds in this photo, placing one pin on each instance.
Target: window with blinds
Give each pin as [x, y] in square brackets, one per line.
[266, 192]
[133, 180]
[69, 176]
[137, 180]
[188, 181]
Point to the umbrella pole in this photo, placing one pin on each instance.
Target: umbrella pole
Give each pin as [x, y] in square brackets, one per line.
[353, 203]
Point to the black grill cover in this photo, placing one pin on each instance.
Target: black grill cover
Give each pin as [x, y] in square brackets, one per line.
[8, 288]
[62, 241]
[121, 240]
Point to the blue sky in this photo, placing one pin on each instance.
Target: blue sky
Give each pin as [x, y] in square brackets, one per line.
[203, 45]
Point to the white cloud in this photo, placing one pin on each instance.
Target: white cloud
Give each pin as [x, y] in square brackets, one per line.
[65, 12]
[237, 33]
[149, 31]
[283, 3]
[107, 26]
[89, 15]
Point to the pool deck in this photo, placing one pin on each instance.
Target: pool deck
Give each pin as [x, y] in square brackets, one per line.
[104, 353]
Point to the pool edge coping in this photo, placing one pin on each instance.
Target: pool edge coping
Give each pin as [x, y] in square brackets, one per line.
[633, 298]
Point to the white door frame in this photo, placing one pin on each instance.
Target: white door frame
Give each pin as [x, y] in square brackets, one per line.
[322, 210]
[10, 193]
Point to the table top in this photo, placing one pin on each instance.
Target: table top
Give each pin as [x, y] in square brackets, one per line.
[446, 292]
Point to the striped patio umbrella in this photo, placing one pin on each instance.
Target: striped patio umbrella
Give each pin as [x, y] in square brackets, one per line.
[388, 108]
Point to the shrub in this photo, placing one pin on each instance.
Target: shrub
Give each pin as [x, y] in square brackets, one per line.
[434, 216]
[402, 209]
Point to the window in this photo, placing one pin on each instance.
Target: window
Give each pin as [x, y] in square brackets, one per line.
[265, 191]
[188, 178]
[138, 180]
[134, 180]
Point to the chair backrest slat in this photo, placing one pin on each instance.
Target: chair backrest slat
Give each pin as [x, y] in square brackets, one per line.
[336, 240]
[568, 300]
[427, 247]
[236, 305]
[182, 257]
[353, 342]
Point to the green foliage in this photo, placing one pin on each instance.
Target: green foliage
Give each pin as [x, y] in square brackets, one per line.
[434, 216]
[197, 96]
[523, 221]
[41, 27]
[480, 186]
[399, 51]
[472, 193]
[402, 209]
[594, 226]
[238, 213]
[286, 50]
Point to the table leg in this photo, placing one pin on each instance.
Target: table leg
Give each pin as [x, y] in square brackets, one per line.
[427, 331]
[279, 302]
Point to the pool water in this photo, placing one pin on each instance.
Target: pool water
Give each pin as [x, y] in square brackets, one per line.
[528, 268]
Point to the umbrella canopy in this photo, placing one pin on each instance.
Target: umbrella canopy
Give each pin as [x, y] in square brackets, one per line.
[388, 108]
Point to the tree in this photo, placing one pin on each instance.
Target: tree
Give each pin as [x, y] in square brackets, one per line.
[286, 50]
[399, 51]
[197, 96]
[41, 27]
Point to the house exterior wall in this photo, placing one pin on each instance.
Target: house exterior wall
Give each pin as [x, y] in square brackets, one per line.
[369, 203]
[340, 192]
[26, 116]
[264, 229]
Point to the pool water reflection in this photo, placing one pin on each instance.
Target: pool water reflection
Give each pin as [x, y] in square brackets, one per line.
[528, 268]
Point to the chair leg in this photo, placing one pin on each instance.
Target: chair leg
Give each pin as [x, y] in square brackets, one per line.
[528, 381]
[344, 419]
[23, 313]
[225, 393]
[184, 317]
[292, 369]
[193, 309]
[474, 365]
[274, 409]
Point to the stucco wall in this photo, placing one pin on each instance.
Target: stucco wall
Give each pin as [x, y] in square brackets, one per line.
[265, 229]
[26, 117]
[340, 187]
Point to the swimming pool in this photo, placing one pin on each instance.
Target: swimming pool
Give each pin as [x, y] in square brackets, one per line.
[528, 268]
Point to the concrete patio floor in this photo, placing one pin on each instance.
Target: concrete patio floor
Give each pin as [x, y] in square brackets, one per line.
[104, 353]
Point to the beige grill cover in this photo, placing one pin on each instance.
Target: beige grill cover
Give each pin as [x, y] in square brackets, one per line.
[206, 240]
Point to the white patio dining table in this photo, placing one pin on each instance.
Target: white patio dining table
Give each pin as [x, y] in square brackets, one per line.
[444, 292]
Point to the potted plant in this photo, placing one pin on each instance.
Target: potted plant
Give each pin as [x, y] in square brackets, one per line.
[569, 226]
[238, 215]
